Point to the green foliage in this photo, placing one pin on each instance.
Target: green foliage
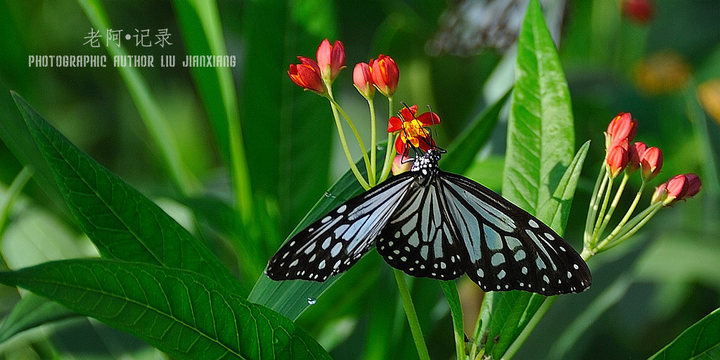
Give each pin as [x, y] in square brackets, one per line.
[197, 290]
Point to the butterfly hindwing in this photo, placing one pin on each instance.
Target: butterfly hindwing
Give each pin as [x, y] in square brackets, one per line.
[336, 241]
[418, 238]
[507, 248]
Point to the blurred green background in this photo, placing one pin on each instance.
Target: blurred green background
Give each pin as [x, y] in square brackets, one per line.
[644, 292]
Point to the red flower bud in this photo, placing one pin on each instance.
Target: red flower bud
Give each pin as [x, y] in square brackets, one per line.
[680, 187]
[400, 165]
[635, 152]
[616, 160]
[331, 59]
[651, 162]
[622, 127]
[385, 74]
[362, 78]
[639, 11]
[307, 75]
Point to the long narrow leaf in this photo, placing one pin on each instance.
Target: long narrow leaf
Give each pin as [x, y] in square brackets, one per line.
[183, 313]
[540, 149]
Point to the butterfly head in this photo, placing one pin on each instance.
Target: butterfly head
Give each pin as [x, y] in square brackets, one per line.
[427, 163]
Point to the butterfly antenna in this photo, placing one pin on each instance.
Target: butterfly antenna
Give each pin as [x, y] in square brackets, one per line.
[432, 118]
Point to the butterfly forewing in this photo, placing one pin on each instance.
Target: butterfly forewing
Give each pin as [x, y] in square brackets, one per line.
[336, 241]
[418, 238]
[507, 248]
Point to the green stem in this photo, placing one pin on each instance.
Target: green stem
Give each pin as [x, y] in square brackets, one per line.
[613, 206]
[339, 108]
[346, 149]
[389, 148]
[12, 193]
[625, 218]
[600, 184]
[601, 213]
[633, 226]
[373, 143]
[411, 316]
[453, 299]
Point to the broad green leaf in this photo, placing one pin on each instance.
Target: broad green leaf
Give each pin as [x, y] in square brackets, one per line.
[18, 140]
[120, 221]
[540, 148]
[185, 314]
[464, 149]
[540, 129]
[699, 341]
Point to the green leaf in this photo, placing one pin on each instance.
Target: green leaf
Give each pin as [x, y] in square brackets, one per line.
[537, 174]
[540, 129]
[30, 312]
[557, 209]
[120, 221]
[185, 314]
[463, 151]
[699, 341]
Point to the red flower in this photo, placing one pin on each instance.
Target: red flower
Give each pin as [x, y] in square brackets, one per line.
[412, 129]
[651, 161]
[639, 11]
[680, 187]
[621, 128]
[616, 160]
[331, 59]
[362, 78]
[307, 75]
[385, 74]
[635, 152]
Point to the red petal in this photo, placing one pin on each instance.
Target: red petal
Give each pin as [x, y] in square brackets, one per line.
[408, 114]
[428, 119]
[394, 124]
[400, 146]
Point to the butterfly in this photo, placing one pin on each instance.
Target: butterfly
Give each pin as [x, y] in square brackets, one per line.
[431, 223]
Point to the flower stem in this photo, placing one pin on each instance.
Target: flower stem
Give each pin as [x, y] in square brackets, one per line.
[453, 299]
[370, 171]
[373, 144]
[411, 316]
[389, 148]
[625, 218]
[592, 209]
[593, 212]
[349, 158]
[615, 201]
[632, 227]
[606, 198]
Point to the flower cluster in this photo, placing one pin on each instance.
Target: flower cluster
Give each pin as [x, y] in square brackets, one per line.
[380, 74]
[624, 157]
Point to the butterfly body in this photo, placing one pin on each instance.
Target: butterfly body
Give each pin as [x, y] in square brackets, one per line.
[430, 223]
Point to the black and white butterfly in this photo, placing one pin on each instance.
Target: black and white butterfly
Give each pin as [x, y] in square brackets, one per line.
[430, 223]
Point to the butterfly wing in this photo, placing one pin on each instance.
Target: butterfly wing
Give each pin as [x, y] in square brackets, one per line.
[336, 241]
[507, 248]
[418, 238]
